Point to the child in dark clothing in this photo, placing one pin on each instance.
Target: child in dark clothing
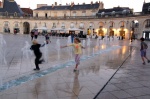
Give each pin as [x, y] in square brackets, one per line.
[47, 39]
[36, 48]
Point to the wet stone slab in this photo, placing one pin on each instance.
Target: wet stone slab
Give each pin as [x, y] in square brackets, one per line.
[98, 64]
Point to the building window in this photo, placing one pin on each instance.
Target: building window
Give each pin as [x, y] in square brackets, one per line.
[94, 14]
[81, 26]
[74, 14]
[147, 23]
[44, 24]
[45, 15]
[15, 14]
[72, 25]
[83, 14]
[54, 25]
[63, 26]
[122, 25]
[36, 14]
[55, 14]
[91, 25]
[149, 8]
[16, 25]
[6, 24]
[6, 13]
[35, 25]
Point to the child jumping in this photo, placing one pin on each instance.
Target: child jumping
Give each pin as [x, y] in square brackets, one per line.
[36, 48]
[77, 51]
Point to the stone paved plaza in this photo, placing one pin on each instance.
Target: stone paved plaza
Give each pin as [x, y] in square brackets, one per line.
[114, 69]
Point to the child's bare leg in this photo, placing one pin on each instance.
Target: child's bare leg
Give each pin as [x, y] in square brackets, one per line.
[76, 66]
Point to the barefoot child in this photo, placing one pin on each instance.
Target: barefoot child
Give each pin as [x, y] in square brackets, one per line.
[77, 51]
[144, 47]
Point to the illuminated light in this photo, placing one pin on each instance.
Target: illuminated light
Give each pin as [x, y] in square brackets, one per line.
[149, 35]
[123, 50]
[103, 46]
[143, 35]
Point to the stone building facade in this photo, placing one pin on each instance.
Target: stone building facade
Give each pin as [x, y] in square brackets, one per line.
[119, 25]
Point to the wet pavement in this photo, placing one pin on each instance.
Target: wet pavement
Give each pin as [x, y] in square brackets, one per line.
[56, 80]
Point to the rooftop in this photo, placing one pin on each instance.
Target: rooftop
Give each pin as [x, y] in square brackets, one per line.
[69, 7]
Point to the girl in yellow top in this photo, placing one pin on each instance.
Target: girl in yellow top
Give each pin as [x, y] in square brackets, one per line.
[77, 51]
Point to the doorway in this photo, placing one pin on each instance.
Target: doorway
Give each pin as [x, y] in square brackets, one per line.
[26, 28]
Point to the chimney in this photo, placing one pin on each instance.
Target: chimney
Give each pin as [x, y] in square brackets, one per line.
[78, 4]
[59, 4]
[83, 3]
[91, 2]
[72, 4]
[1, 3]
[52, 5]
[66, 3]
[10, 0]
[55, 3]
[96, 2]
[41, 5]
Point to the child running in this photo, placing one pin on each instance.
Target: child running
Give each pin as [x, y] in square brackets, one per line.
[144, 47]
[77, 51]
[36, 48]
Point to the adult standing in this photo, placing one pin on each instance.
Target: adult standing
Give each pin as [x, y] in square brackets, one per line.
[36, 34]
[32, 35]
[72, 37]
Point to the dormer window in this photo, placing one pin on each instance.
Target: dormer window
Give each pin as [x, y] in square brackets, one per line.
[6, 13]
[15, 14]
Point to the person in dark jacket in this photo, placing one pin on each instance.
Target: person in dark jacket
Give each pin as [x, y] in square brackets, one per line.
[47, 39]
[32, 35]
[36, 49]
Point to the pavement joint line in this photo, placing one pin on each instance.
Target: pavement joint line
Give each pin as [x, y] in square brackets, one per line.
[24, 79]
[112, 75]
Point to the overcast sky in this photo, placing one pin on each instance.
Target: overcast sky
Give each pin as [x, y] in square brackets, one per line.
[135, 4]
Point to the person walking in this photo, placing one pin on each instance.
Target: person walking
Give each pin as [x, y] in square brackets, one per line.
[143, 49]
[32, 35]
[36, 34]
[77, 51]
[36, 49]
[47, 39]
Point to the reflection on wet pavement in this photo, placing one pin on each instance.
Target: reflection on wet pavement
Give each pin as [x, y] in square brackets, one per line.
[57, 76]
